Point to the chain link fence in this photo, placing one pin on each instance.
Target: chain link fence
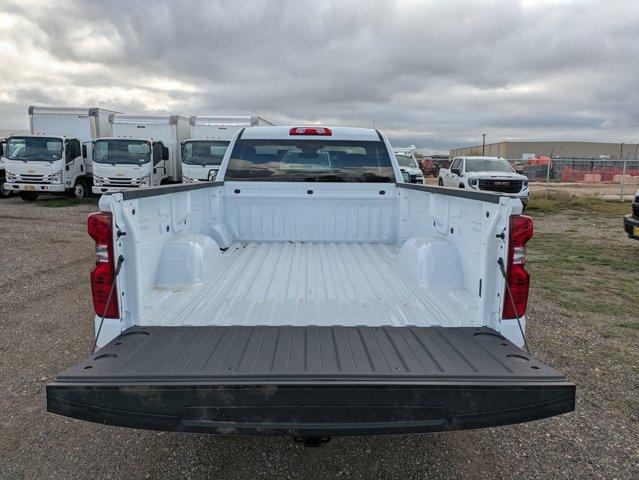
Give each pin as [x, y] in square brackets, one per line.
[582, 176]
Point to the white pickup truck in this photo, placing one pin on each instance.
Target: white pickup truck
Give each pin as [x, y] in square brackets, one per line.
[309, 292]
[485, 173]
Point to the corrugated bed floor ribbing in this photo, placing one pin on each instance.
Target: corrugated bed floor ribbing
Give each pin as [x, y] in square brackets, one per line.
[298, 283]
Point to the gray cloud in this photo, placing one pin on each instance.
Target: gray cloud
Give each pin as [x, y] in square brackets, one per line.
[435, 74]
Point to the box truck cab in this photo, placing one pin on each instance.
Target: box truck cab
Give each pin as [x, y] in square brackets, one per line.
[210, 136]
[144, 151]
[50, 160]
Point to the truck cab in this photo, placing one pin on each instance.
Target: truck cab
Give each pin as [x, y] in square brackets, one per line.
[37, 164]
[124, 163]
[485, 173]
[210, 137]
[201, 159]
[144, 151]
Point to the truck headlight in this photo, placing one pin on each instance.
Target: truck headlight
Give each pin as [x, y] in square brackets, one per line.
[525, 183]
[10, 177]
[56, 177]
[186, 179]
[98, 181]
[473, 182]
[145, 181]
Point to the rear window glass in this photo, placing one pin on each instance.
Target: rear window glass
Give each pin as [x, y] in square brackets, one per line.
[310, 161]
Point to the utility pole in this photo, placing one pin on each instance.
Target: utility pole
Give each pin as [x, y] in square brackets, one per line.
[483, 144]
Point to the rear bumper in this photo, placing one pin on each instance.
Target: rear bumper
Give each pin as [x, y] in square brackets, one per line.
[310, 410]
[35, 187]
[630, 225]
[102, 190]
[310, 381]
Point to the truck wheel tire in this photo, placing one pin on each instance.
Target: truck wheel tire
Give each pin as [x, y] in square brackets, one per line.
[79, 190]
[28, 197]
[4, 193]
[440, 182]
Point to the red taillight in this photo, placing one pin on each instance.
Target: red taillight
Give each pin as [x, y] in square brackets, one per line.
[100, 228]
[323, 131]
[521, 230]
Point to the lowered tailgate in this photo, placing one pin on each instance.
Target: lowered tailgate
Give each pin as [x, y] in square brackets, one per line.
[310, 381]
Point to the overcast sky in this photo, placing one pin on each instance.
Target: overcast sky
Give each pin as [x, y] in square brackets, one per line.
[436, 74]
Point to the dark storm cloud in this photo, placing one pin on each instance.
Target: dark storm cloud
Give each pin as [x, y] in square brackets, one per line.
[435, 74]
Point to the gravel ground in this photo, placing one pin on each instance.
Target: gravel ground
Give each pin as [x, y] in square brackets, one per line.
[46, 325]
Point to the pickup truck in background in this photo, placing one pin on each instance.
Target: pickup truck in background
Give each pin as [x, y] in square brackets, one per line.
[485, 173]
[631, 221]
[203, 152]
[309, 292]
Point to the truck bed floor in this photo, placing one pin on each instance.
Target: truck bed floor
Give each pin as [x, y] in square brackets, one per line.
[285, 283]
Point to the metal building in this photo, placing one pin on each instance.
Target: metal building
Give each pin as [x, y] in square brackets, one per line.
[515, 150]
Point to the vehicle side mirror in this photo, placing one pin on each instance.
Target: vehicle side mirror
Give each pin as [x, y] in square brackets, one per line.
[406, 176]
[165, 153]
[456, 171]
[211, 176]
[84, 151]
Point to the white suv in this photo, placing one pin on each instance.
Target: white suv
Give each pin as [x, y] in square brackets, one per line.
[485, 173]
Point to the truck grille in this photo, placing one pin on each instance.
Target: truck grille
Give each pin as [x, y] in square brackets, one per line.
[503, 186]
[121, 182]
[26, 178]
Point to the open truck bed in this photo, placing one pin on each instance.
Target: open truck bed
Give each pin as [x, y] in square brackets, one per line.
[254, 305]
[302, 283]
[310, 381]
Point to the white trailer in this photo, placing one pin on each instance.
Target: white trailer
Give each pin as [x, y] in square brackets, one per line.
[50, 160]
[210, 136]
[144, 151]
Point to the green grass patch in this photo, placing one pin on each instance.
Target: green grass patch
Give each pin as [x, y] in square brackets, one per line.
[68, 202]
[632, 325]
[562, 202]
[581, 275]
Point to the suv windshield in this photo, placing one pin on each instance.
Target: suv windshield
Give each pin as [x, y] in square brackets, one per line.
[488, 165]
[120, 152]
[310, 161]
[204, 152]
[406, 161]
[40, 149]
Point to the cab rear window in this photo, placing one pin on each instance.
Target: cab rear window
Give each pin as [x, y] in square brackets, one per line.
[310, 161]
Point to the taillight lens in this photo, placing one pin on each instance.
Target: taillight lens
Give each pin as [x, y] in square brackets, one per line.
[100, 228]
[521, 230]
[321, 131]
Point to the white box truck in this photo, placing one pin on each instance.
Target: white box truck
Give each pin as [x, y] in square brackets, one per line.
[144, 151]
[309, 292]
[3, 192]
[50, 160]
[210, 136]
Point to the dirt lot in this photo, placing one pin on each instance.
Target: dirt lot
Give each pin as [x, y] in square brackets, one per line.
[582, 319]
